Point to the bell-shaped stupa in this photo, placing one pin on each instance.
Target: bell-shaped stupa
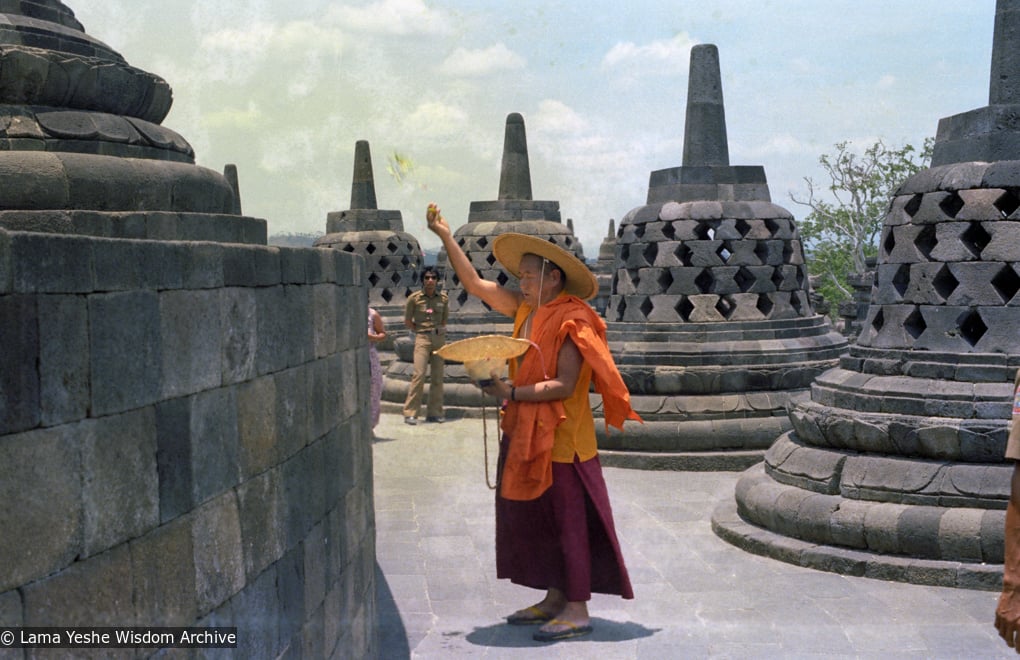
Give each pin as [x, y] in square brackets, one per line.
[710, 320]
[393, 258]
[513, 211]
[895, 465]
[82, 150]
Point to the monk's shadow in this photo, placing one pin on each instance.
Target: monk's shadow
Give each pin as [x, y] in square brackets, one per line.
[503, 635]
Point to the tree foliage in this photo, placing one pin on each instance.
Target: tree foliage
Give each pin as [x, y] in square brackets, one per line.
[843, 227]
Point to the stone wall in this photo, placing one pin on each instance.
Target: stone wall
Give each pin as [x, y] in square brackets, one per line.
[183, 440]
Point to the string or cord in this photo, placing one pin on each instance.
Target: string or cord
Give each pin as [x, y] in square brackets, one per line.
[485, 444]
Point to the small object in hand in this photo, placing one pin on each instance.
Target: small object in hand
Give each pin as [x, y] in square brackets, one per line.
[486, 382]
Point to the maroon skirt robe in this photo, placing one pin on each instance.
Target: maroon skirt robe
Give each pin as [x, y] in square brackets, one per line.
[565, 539]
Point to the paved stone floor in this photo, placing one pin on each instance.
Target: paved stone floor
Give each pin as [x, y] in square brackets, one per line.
[696, 596]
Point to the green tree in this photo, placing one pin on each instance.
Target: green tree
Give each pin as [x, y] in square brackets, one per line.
[843, 227]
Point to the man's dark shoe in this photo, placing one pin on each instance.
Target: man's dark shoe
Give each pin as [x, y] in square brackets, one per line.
[437, 420]
[410, 420]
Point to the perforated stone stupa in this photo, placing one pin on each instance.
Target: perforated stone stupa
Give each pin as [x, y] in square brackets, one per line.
[894, 466]
[513, 211]
[709, 319]
[393, 258]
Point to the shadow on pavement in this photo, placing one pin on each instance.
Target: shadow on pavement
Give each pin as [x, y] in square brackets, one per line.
[392, 634]
[503, 635]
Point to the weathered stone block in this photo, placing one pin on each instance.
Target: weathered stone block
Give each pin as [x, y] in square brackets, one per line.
[126, 353]
[97, 592]
[881, 524]
[20, 385]
[50, 263]
[271, 331]
[215, 455]
[173, 458]
[256, 425]
[239, 266]
[292, 411]
[290, 586]
[190, 335]
[262, 525]
[119, 477]
[315, 560]
[163, 569]
[256, 610]
[202, 264]
[239, 334]
[219, 560]
[325, 308]
[918, 531]
[959, 534]
[41, 488]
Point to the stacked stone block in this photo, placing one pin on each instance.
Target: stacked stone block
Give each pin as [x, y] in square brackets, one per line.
[190, 449]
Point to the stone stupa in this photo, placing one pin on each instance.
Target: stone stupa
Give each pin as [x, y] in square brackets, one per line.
[710, 320]
[894, 468]
[514, 211]
[393, 258]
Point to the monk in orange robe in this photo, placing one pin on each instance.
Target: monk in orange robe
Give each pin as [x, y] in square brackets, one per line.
[554, 522]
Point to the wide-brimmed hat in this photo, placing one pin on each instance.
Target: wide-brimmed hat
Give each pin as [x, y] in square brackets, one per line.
[510, 247]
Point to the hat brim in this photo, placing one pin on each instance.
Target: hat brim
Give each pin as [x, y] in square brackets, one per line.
[483, 347]
[510, 248]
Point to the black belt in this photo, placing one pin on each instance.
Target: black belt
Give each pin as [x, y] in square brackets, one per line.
[435, 331]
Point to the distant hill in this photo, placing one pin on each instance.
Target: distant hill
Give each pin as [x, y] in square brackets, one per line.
[294, 240]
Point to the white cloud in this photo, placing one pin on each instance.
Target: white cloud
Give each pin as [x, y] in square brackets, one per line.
[557, 117]
[464, 62]
[392, 17]
[887, 81]
[435, 119]
[782, 144]
[658, 56]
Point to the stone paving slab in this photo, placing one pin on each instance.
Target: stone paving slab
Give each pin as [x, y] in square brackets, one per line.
[696, 595]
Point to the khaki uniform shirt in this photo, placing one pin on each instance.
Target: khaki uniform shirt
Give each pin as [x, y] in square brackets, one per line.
[428, 313]
[1013, 444]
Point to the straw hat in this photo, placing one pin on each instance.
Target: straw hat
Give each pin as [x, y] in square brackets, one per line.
[484, 354]
[510, 247]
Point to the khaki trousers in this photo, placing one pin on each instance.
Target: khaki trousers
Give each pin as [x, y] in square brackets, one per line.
[424, 344]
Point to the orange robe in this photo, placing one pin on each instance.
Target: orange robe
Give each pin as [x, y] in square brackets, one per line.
[541, 432]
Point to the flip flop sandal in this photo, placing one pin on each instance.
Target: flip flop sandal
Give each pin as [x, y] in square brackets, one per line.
[529, 616]
[571, 630]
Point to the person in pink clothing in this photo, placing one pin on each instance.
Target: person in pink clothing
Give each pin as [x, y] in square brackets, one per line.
[376, 333]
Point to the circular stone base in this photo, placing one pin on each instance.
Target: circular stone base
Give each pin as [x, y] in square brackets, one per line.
[730, 527]
[703, 461]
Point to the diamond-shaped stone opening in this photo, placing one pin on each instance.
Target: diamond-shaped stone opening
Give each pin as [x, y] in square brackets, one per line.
[1007, 203]
[926, 240]
[623, 250]
[621, 309]
[777, 277]
[684, 308]
[704, 281]
[683, 254]
[639, 231]
[801, 277]
[704, 231]
[391, 247]
[914, 324]
[743, 226]
[462, 297]
[976, 238]
[387, 295]
[951, 204]
[373, 279]
[772, 225]
[912, 206]
[972, 327]
[405, 261]
[901, 280]
[483, 242]
[456, 280]
[724, 251]
[651, 252]
[384, 262]
[878, 321]
[725, 306]
[490, 259]
[944, 283]
[744, 279]
[395, 278]
[348, 248]
[761, 250]
[502, 278]
[668, 230]
[646, 307]
[371, 248]
[889, 242]
[797, 302]
[1006, 283]
[764, 304]
[635, 277]
[665, 279]
[787, 252]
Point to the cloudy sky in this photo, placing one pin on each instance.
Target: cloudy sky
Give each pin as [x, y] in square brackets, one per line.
[285, 89]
